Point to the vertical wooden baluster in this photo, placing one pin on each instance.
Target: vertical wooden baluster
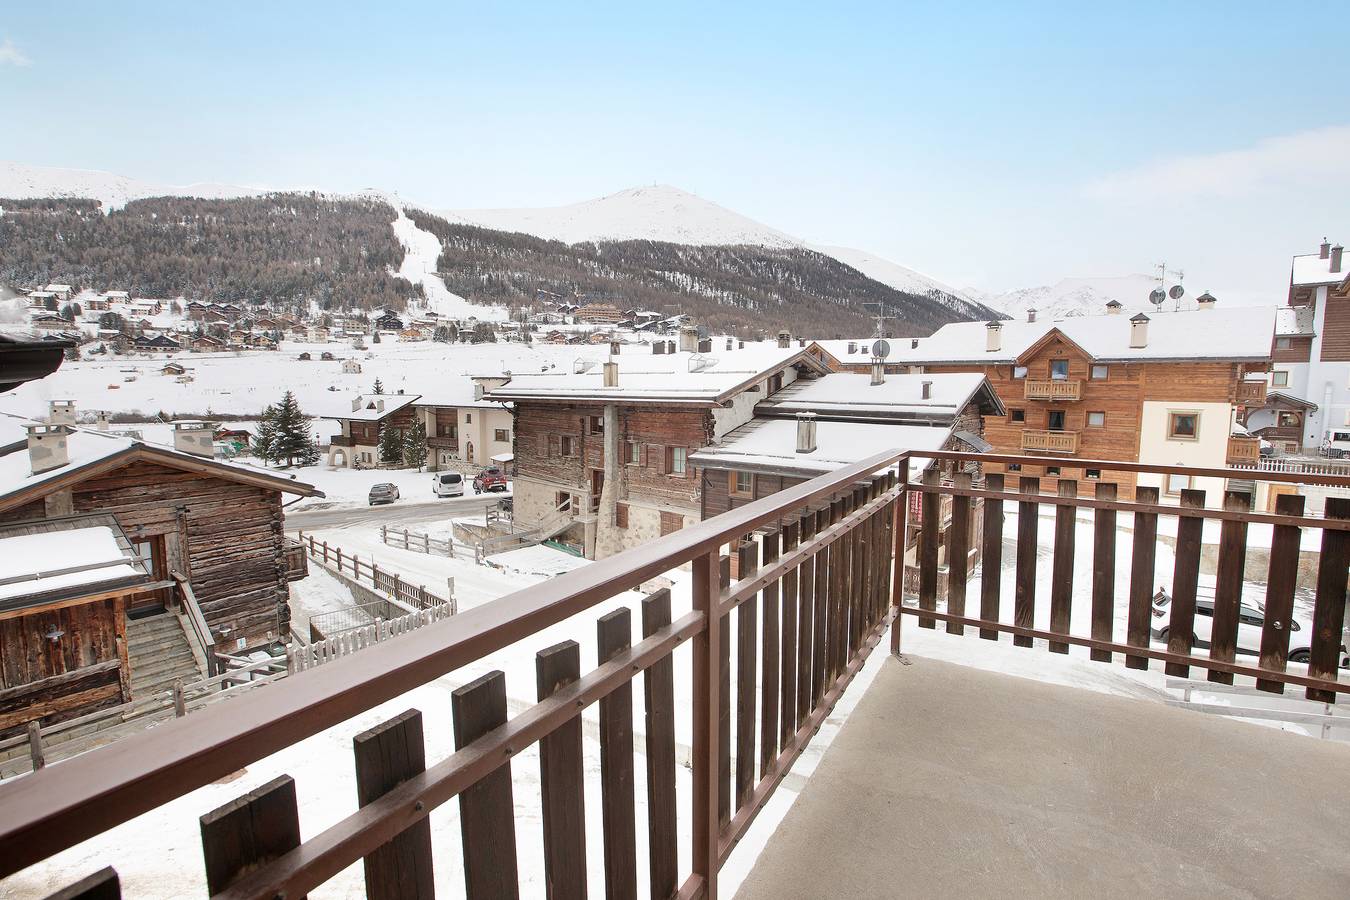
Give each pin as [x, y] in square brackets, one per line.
[487, 823]
[840, 563]
[724, 698]
[658, 694]
[386, 756]
[806, 623]
[614, 634]
[991, 556]
[747, 638]
[1143, 559]
[707, 669]
[102, 885]
[791, 624]
[768, 676]
[1329, 604]
[1228, 584]
[899, 540]
[958, 553]
[1061, 576]
[1103, 570]
[1024, 597]
[245, 833]
[1185, 578]
[931, 507]
[561, 779]
[1281, 582]
[820, 677]
[861, 582]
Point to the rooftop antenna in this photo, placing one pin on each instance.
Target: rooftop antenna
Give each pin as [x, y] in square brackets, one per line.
[881, 317]
[1159, 295]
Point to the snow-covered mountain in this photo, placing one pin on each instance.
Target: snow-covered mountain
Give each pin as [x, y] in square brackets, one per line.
[1081, 297]
[19, 180]
[899, 277]
[657, 213]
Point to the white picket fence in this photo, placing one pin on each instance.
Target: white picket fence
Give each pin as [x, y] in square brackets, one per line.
[300, 657]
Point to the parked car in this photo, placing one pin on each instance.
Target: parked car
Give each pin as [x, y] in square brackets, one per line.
[447, 484]
[490, 479]
[1251, 621]
[1336, 445]
[383, 493]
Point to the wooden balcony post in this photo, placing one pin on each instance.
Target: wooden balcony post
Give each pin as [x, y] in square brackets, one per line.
[706, 721]
[898, 556]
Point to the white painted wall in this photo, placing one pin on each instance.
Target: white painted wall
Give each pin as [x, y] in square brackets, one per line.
[1210, 449]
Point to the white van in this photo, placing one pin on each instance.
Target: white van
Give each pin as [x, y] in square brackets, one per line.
[447, 484]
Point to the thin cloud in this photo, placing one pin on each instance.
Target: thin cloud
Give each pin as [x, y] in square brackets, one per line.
[1295, 161]
[10, 55]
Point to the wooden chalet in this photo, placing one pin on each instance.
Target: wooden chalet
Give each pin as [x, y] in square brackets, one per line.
[1164, 389]
[357, 446]
[207, 534]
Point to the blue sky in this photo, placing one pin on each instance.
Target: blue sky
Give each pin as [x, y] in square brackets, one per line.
[991, 146]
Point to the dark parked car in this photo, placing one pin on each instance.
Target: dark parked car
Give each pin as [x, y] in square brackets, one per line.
[383, 493]
[490, 479]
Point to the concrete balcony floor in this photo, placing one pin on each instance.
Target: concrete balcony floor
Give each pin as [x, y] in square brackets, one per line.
[949, 781]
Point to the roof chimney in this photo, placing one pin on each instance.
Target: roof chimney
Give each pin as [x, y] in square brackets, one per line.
[740, 345]
[1138, 331]
[1031, 315]
[614, 348]
[784, 340]
[47, 447]
[1336, 258]
[688, 340]
[1206, 301]
[1325, 250]
[914, 343]
[993, 336]
[926, 390]
[101, 420]
[61, 412]
[731, 343]
[379, 405]
[356, 403]
[878, 373]
[611, 374]
[1113, 307]
[852, 346]
[670, 346]
[658, 348]
[193, 438]
[806, 432]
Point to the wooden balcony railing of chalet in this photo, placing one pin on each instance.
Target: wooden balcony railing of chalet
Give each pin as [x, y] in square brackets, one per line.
[1054, 389]
[342, 440]
[1251, 393]
[1243, 451]
[1050, 441]
[815, 593]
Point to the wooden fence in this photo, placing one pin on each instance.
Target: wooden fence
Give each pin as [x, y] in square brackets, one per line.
[307, 656]
[390, 583]
[420, 542]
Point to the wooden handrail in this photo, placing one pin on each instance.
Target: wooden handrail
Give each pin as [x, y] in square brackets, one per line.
[201, 632]
[48, 813]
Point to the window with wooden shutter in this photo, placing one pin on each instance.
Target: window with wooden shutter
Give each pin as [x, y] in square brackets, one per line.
[658, 458]
[621, 515]
[553, 445]
[544, 446]
[671, 522]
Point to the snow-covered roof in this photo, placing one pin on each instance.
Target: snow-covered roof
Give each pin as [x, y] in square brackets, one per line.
[852, 395]
[58, 288]
[1235, 333]
[85, 447]
[370, 407]
[65, 557]
[1313, 269]
[1293, 321]
[455, 391]
[116, 295]
[697, 378]
[771, 445]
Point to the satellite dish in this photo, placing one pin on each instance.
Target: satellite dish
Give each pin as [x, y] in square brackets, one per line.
[881, 349]
[1176, 292]
[1157, 296]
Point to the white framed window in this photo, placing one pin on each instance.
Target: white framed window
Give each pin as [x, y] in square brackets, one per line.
[679, 460]
[1279, 379]
[1096, 419]
[1019, 371]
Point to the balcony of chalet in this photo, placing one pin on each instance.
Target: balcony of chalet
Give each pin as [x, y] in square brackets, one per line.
[342, 440]
[1054, 389]
[1042, 441]
[1251, 391]
[802, 729]
[1243, 450]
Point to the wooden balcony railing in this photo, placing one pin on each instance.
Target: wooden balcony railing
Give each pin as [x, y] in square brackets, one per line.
[1251, 393]
[342, 440]
[1243, 451]
[1054, 389]
[815, 592]
[1050, 441]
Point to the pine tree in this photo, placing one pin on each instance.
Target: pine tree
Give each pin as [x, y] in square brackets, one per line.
[293, 441]
[375, 338]
[379, 386]
[391, 446]
[415, 446]
[265, 438]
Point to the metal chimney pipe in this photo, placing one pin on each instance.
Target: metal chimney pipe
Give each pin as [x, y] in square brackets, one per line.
[878, 373]
[926, 390]
[806, 432]
[1324, 250]
[611, 374]
[993, 337]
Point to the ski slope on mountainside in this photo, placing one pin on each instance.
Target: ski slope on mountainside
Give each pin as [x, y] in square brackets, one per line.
[20, 181]
[421, 249]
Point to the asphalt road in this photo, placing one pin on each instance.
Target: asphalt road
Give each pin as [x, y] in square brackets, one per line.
[389, 513]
